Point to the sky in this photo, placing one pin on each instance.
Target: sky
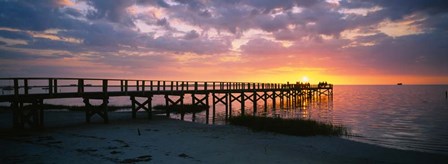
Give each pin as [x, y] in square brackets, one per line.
[338, 41]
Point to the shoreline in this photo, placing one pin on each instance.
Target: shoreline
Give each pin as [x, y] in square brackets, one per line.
[163, 140]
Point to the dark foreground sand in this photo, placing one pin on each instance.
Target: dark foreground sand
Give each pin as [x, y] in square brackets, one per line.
[69, 140]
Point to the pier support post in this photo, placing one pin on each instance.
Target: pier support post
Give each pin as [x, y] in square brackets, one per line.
[224, 100]
[265, 95]
[282, 99]
[233, 98]
[202, 101]
[173, 102]
[271, 97]
[31, 115]
[294, 98]
[254, 101]
[274, 102]
[101, 110]
[146, 105]
[243, 100]
[290, 98]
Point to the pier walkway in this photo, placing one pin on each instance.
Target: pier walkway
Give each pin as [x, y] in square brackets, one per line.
[26, 95]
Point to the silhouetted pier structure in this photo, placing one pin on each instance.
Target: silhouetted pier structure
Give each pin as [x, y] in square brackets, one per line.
[26, 102]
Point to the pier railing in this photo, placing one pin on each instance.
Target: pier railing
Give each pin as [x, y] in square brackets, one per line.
[51, 86]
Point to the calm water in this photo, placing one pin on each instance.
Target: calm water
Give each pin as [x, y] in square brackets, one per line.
[412, 117]
[405, 117]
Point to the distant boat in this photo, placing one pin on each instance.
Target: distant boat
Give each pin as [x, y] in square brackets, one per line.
[399, 83]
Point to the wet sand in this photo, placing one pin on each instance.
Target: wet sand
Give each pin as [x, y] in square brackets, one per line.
[67, 139]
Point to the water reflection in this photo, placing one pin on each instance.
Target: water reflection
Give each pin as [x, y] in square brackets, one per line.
[404, 117]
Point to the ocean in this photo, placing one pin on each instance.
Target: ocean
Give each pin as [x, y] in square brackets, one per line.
[410, 117]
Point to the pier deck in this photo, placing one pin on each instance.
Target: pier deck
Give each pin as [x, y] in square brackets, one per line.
[26, 95]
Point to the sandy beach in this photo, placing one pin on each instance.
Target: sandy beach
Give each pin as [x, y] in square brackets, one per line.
[67, 139]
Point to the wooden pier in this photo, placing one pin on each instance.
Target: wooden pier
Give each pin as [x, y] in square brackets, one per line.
[27, 95]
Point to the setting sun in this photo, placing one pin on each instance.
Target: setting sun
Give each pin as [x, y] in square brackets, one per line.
[305, 79]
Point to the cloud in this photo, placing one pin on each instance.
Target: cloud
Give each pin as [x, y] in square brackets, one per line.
[15, 35]
[115, 12]
[262, 47]
[160, 3]
[191, 35]
[342, 37]
[422, 54]
[401, 9]
[199, 46]
[32, 15]
[267, 6]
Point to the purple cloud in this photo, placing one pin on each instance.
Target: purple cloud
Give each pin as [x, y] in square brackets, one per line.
[161, 32]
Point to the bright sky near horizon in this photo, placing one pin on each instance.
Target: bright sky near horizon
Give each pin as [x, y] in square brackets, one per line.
[338, 41]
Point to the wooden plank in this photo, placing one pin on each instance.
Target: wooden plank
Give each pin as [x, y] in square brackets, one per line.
[80, 86]
[50, 86]
[105, 85]
[55, 85]
[126, 86]
[138, 85]
[25, 83]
